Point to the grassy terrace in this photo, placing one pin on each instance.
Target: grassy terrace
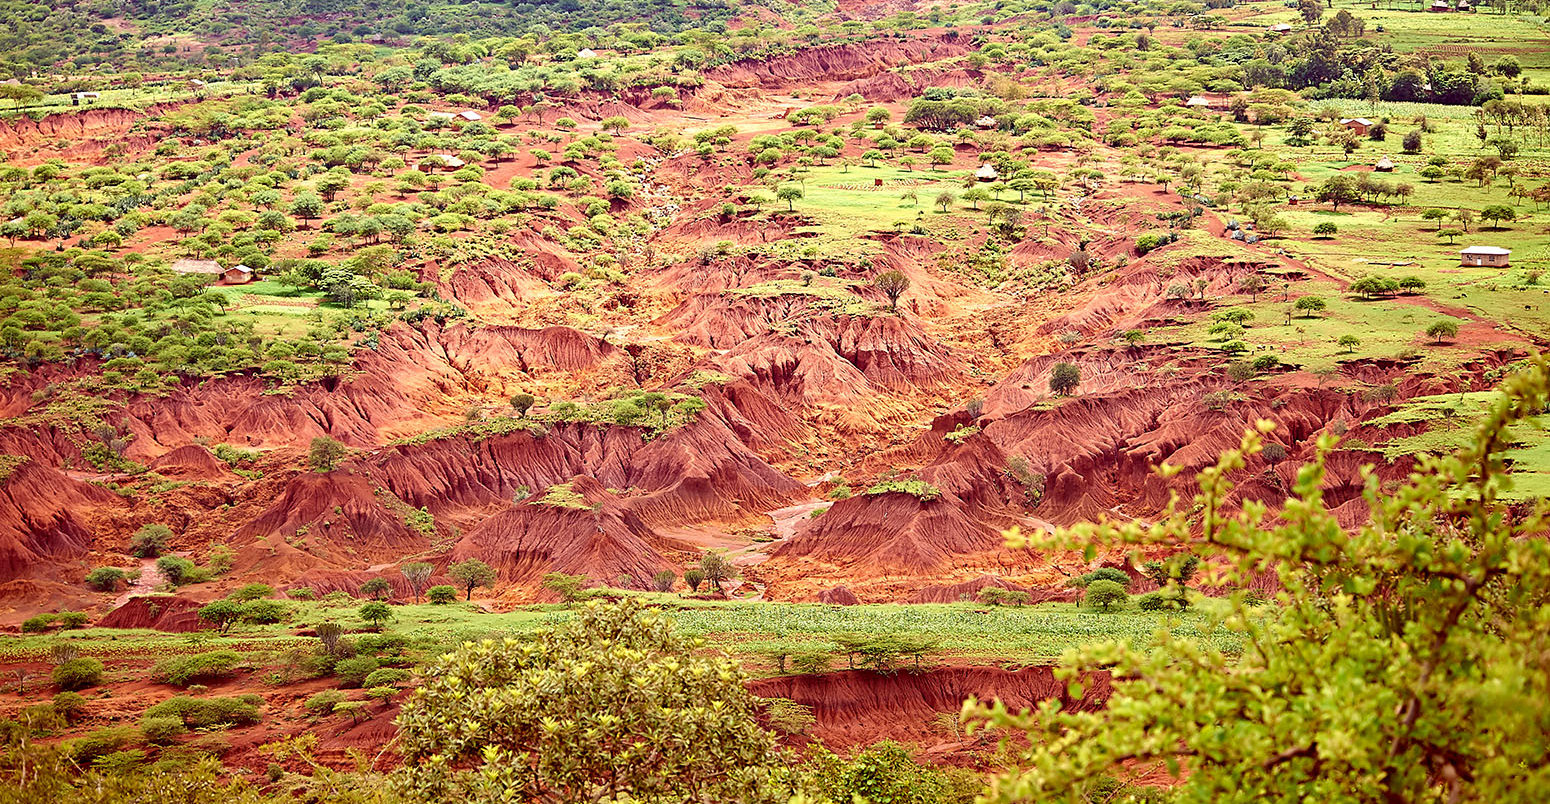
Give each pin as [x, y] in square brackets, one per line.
[968, 633]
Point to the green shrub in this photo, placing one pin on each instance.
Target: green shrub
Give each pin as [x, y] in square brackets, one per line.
[204, 713]
[253, 591]
[150, 540]
[302, 593]
[101, 742]
[996, 596]
[1101, 574]
[69, 620]
[180, 571]
[162, 728]
[386, 677]
[39, 623]
[184, 670]
[70, 705]
[324, 702]
[264, 612]
[105, 579]
[1155, 601]
[354, 671]
[77, 674]
[441, 594]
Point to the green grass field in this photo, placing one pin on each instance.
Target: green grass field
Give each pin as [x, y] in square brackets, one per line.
[964, 631]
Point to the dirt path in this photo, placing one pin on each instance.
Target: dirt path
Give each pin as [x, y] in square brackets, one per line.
[150, 579]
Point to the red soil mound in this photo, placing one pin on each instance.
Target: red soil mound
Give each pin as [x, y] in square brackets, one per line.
[838, 596]
[192, 462]
[411, 382]
[604, 542]
[859, 708]
[835, 63]
[45, 521]
[883, 533]
[694, 473]
[159, 612]
[337, 517]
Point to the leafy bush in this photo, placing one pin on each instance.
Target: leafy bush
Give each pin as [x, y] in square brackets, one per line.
[1101, 574]
[150, 541]
[324, 702]
[997, 596]
[302, 593]
[105, 579]
[77, 674]
[441, 594]
[1155, 601]
[180, 571]
[101, 742]
[184, 670]
[915, 487]
[253, 591]
[264, 612]
[70, 706]
[203, 713]
[38, 624]
[353, 672]
[386, 677]
[162, 728]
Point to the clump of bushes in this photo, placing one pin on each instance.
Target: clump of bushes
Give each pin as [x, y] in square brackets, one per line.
[1101, 574]
[996, 596]
[354, 671]
[77, 674]
[324, 702]
[441, 594]
[106, 579]
[185, 670]
[204, 713]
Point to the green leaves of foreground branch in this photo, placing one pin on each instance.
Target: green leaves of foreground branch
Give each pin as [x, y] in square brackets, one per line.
[1406, 661]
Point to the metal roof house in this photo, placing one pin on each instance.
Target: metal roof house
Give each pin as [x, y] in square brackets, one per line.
[1360, 125]
[987, 172]
[1484, 257]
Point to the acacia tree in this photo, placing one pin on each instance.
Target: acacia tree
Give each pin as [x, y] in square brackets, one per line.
[892, 284]
[471, 573]
[1403, 662]
[1064, 379]
[610, 706]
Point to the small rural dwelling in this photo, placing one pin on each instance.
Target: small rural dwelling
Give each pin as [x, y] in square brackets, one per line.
[196, 83]
[1463, 5]
[1281, 28]
[1360, 125]
[210, 267]
[1484, 257]
[466, 115]
[1385, 165]
[1208, 102]
[986, 173]
[444, 161]
[586, 53]
[985, 122]
[1440, 5]
[77, 97]
[237, 275]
